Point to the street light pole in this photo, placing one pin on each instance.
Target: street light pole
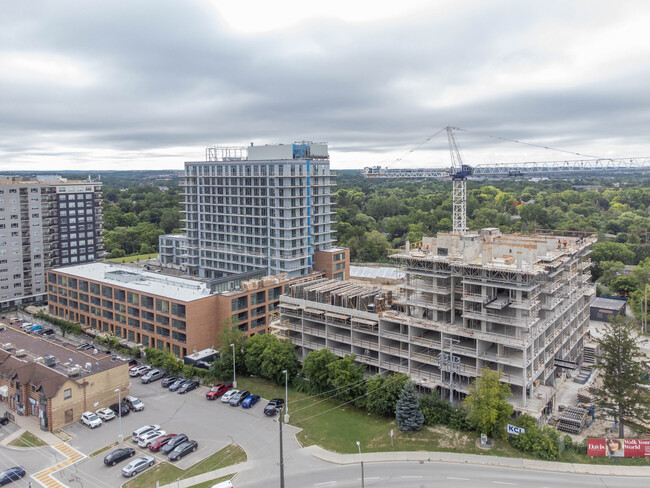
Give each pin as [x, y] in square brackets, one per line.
[119, 409]
[286, 396]
[281, 453]
[361, 459]
[234, 377]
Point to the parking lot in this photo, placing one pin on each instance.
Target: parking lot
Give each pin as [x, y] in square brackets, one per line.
[212, 423]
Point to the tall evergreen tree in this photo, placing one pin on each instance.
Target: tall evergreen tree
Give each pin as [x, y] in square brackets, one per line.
[407, 411]
[621, 368]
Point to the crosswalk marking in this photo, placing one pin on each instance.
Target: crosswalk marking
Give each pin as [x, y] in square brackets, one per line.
[44, 477]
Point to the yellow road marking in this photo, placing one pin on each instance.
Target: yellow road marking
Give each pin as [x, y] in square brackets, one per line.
[44, 477]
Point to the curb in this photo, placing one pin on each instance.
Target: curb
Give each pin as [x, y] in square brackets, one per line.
[513, 463]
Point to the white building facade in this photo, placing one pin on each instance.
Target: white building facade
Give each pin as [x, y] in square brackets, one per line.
[258, 208]
[45, 222]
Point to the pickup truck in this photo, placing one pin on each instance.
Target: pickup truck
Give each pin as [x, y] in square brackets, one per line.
[217, 390]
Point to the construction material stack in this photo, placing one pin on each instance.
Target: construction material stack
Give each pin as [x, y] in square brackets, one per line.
[573, 420]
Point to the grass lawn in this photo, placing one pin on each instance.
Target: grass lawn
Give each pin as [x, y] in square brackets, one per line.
[338, 428]
[139, 257]
[208, 484]
[27, 440]
[103, 449]
[166, 473]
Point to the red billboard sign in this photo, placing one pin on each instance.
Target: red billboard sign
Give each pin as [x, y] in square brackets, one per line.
[619, 447]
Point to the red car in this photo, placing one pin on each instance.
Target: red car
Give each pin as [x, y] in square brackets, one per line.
[217, 390]
[161, 441]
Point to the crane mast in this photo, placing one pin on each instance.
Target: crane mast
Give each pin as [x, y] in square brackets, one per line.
[459, 174]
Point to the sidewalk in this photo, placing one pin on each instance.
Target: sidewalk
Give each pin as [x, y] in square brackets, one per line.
[29, 424]
[451, 457]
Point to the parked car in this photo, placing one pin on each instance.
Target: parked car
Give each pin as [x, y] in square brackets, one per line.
[160, 441]
[12, 474]
[139, 370]
[153, 375]
[188, 386]
[223, 484]
[121, 408]
[133, 403]
[105, 414]
[136, 434]
[173, 443]
[35, 328]
[274, 406]
[228, 395]
[84, 346]
[4, 420]
[238, 397]
[138, 465]
[177, 384]
[46, 332]
[183, 449]
[166, 382]
[149, 437]
[217, 390]
[90, 419]
[250, 400]
[118, 455]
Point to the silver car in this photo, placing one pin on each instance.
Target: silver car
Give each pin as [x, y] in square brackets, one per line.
[138, 465]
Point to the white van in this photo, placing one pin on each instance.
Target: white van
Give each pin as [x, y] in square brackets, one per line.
[26, 326]
[223, 484]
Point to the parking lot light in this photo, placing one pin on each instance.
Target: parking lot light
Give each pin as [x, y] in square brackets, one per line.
[119, 409]
[234, 378]
[286, 396]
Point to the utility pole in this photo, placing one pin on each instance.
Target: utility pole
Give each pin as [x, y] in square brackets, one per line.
[234, 377]
[281, 453]
[449, 364]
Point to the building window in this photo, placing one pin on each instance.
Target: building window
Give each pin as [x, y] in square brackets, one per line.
[107, 292]
[162, 319]
[162, 305]
[147, 302]
[133, 298]
[178, 310]
[67, 394]
[120, 295]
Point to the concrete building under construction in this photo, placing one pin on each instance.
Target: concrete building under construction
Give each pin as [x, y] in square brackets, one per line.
[512, 303]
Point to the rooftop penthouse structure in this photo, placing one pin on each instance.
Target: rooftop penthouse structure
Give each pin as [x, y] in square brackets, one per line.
[512, 303]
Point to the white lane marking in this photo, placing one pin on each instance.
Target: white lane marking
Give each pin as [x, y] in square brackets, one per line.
[412, 477]
[373, 478]
[504, 483]
[453, 478]
[326, 483]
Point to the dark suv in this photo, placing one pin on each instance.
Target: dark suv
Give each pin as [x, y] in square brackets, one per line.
[172, 444]
[237, 398]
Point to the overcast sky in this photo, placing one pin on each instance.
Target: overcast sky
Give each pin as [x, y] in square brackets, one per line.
[149, 84]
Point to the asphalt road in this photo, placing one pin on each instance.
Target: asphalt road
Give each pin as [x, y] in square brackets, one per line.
[427, 475]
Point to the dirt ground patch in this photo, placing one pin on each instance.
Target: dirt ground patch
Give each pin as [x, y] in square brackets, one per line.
[451, 439]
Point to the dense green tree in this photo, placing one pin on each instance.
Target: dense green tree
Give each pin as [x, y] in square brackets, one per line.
[253, 350]
[345, 376]
[278, 356]
[435, 409]
[487, 404]
[315, 369]
[624, 285]
[621, 367]
[407, 410]
[383, 393]
[612, 251]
